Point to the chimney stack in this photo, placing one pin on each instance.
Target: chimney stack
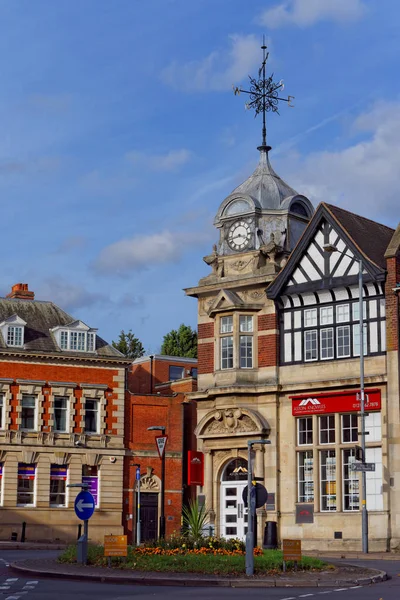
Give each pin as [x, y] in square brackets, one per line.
[20, 291]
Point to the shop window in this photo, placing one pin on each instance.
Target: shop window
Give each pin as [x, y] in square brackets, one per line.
[373, 424]
[327, 350]
[28, 412]
[311, 345]
[326, 315]
[90, 475]
[374, 479]
[350, 428]
[58, 485]
[305, 476]
[92, 415]
[351, 482]
[304, 431]
[327, 429]
[328, 480]
[26, 485]
[60, 413]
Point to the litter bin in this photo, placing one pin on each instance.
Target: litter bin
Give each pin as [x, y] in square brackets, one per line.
[14, 536]
[270, 535]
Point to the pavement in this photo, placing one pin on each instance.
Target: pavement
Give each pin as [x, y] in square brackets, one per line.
[344, 576]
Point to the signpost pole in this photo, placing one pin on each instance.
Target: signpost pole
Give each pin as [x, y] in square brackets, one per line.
[364, 512]
[85, 541]
[162, 513]
[137, 478]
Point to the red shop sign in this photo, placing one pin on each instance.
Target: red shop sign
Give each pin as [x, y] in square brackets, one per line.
[334, 402]
[195, 468]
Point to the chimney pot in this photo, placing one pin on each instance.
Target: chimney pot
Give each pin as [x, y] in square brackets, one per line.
[21, 291]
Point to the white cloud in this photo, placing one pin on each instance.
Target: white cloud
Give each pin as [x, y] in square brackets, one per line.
[364, 177]
[171, 161]
[305, 13]
[217, 71]
[67, 296]
[143, 251]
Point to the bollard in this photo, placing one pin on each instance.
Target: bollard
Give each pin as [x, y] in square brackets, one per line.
[23, 531]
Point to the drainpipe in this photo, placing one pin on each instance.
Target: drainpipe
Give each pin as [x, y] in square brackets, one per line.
[151, 373]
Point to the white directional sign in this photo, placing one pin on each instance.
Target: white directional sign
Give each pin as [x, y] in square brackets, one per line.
[161, 441]
[363, 466]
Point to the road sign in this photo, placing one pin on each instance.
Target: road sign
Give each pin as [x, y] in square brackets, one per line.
[363, 467]
[84, 505]
[261, 495]
[291, 549]
[161, 441]
[115, 545]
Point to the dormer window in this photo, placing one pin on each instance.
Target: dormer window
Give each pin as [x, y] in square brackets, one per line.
[13, 331]
[76, 337]
[15, 336]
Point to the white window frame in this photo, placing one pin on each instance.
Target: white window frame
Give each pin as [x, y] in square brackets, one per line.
[330, 498]
[236, 334]
[226, 324]
[35, 414]
[310, 317]
[347, 327]
[313, 332]
[356, 334]
[64, 339]
[65, 505]
[305, 476]
[77, 340]
[34, 488]
[325, 330]
[355, 310]
[352, 427]
[326, 315]
[226, 343]
[98, 406]
[328, 429]
[306, 431]
[339, 316]
[14, 331]
[66, 398]
[373, 424]
[351, 479]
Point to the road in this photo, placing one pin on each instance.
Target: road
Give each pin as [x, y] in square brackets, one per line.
[15, 587]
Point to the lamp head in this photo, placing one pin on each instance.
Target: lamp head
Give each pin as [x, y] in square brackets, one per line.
[156, 428]
[330, 248]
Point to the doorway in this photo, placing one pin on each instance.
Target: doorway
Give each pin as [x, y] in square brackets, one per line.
[234, 517]
[149, 517]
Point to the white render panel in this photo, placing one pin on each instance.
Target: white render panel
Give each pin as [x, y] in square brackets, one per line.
[286, 302]
[319, 238]
[296, 300]
[341, 294]
[297, 319]
[383, 307]
[333, 259]
[373, 309]
[324, 296]
[299, 277]
[355, 268]
[308, 299]
[373, 336]
[298, 346]
[288, 347]
[342, 268]
[287, 320]
[354, 291]
[316, 256]
[309, 269]
[371, 289]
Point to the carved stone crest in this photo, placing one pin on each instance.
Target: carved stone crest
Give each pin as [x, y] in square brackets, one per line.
[230, 420]
[148, 482]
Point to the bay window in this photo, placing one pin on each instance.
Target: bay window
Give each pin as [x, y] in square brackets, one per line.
[236, 341]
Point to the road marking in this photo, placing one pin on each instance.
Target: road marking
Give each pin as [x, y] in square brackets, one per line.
[291, 598]
[4, 587]
[32, 582]
[328, 592]
[305, 595]
[12, 597]
[12, 580]
[355, 587]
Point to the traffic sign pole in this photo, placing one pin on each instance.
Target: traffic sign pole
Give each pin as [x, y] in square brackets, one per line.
[84, 509]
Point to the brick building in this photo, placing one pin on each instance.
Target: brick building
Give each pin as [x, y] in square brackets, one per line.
[279, 338]
[62, 420]
[156, 396]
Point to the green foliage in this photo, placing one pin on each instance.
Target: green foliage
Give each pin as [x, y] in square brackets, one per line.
[129, 345]
[191, 543]
[195, 518]
[180, 342]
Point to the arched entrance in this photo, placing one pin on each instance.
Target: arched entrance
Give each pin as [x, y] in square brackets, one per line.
[234, 516]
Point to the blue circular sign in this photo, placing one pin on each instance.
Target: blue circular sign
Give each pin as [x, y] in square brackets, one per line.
[84, 505]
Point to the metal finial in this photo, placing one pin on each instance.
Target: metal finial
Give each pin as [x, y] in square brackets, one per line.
[264, 95]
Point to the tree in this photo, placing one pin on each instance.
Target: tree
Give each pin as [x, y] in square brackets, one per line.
[129, 345]
[181, 342]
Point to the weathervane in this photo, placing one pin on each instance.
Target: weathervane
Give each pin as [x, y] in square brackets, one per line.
[264, 95]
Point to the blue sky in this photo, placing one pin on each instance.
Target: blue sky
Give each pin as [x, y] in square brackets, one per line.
[120, 137]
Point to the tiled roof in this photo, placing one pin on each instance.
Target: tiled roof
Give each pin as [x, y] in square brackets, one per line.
[40, 318]
[372, 238]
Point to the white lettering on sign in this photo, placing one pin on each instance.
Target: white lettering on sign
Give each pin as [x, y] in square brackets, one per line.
[161, 442]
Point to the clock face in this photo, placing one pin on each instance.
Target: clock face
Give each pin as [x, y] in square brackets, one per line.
[239, 235]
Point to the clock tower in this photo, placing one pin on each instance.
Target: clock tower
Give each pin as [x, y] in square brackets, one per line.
[258, 225]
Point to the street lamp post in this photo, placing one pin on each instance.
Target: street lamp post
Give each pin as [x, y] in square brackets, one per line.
[250, 509]
[162, 511]
[364, 513]
[137, 479]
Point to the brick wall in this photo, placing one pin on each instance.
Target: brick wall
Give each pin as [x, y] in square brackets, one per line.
[268, 350]
[266, 322]
[206, 358]
[205, 330]
[139, 379]
[392, 304]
